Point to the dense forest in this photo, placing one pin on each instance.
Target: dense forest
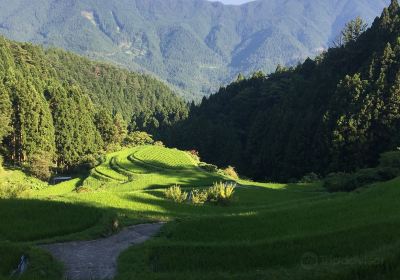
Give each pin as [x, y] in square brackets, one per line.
[334, 113]
[59, 110]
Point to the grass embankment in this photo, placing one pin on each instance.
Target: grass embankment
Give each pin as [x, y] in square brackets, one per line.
[269, 231]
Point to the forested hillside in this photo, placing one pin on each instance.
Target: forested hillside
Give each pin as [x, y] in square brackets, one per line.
[195, 45]
[56, 107]
[334, 113]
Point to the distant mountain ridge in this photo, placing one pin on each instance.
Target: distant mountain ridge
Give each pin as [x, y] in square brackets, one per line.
[195, 45]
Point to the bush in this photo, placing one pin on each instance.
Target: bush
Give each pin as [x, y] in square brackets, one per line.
[367, 176]
[231, 172]
[11, 190]
[221, 193]
[340, 182]
[40, 165]
[176, 194]
[371, 175]
[390, 159]
[208, 167]
[310, 178]
[348, 182]
[198, 196]
[194, 155]
[388, 173]
[138, 138]
[90, 161]
[159, 144]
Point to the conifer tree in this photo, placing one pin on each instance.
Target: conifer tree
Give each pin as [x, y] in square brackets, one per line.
[5, 113]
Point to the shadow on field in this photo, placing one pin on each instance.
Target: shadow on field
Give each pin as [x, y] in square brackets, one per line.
[30, 220]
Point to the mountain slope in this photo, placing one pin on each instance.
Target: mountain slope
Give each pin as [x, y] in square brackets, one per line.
[335, 113]
[195, 45]
[57, 107]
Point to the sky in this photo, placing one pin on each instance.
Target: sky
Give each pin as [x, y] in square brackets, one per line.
[234, 2]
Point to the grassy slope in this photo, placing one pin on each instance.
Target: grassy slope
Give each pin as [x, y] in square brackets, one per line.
[268, 232]
[343, 236]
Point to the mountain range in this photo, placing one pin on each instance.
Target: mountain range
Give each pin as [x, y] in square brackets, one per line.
[194, 45]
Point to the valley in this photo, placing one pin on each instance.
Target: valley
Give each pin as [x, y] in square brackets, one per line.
[290, 174]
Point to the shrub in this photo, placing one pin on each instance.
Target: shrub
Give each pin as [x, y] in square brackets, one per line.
[208, 167]
[340, 182]
[198, 196]
[40, 164]
[231, 172]
[11, 190]
[367, 176]
[176, 194]
[390, 159]
[221, 193]
[310, 178]
[138, 138]
[113, 147]
[348, 182]
[159, 144]
[90, 161]
[194, 155]
[388, 173]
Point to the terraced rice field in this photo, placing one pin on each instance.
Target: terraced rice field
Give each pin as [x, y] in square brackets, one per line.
[269, 231]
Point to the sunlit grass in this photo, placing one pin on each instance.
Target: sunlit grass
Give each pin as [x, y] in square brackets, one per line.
[264, 233]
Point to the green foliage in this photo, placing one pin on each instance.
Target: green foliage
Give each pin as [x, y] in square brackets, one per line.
[40, 165]
[208, 167]
[5, 113]
[390, 159]
[11, 190]
[1, 164]
[310, 178]
[159, 144]
[105, 125]
[337, 182]
[176, 194]
[350, 181]
[138, 138]
[335, 113]
[231, 172]
[59, 103]
[221, 193]
[352, 31]
[198, 197]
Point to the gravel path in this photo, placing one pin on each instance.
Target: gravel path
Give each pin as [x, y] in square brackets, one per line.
[97, 259]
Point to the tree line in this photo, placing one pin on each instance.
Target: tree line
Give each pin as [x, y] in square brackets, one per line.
[334, 113]
[59, 111]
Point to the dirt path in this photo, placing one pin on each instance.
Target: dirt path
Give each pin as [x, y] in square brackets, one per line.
[97, 259]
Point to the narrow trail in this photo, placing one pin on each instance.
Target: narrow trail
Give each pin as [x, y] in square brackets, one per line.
[97, 259]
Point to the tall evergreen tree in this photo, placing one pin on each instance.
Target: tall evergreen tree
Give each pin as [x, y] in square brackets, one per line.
[5, 113]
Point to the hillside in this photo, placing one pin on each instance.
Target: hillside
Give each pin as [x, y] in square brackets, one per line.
[194, 45]
[57, 107]
[302, 230]
[335, 113]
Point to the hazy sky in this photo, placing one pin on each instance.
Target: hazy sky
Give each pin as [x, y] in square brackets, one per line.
[234, 2]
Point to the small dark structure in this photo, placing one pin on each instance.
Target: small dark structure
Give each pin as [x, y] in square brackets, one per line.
[57, 180]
